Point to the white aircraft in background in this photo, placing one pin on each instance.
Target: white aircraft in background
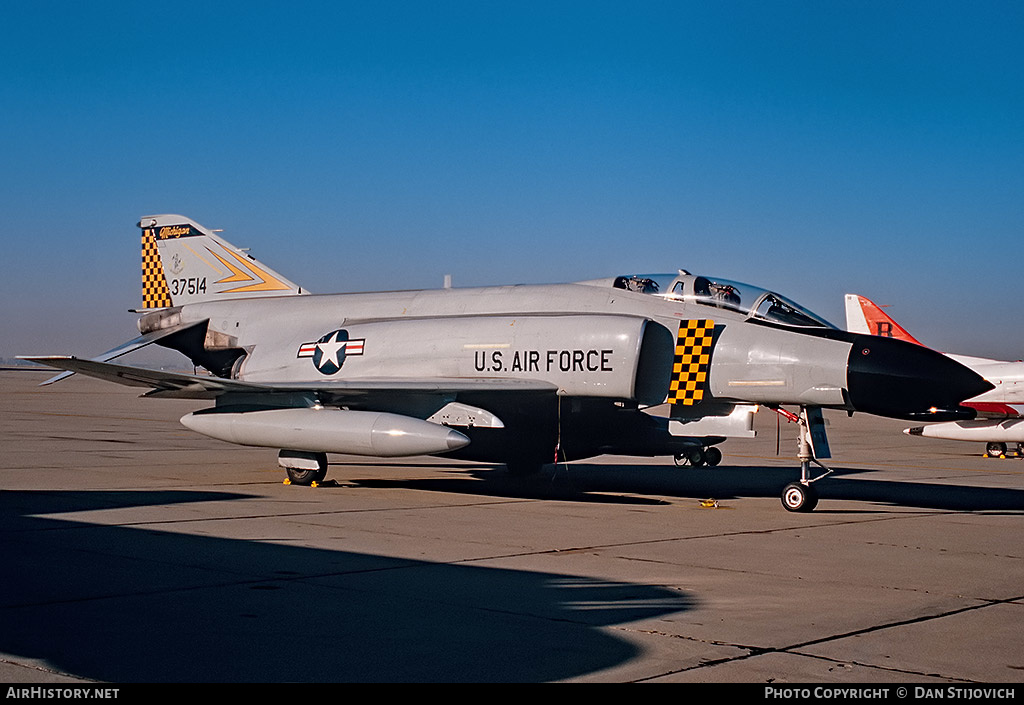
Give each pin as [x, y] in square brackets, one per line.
[1000, 419]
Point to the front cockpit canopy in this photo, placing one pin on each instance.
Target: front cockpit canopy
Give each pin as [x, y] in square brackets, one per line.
[751, 301]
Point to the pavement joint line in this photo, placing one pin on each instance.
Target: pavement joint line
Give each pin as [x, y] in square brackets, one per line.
[755, 651]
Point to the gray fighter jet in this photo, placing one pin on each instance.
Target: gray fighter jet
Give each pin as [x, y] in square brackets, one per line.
[520, 375]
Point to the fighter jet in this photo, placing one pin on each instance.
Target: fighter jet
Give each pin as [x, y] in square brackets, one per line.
[521, 375]
[1000, 411]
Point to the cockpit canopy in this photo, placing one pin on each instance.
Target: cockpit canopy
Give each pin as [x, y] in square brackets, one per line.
[748, 300]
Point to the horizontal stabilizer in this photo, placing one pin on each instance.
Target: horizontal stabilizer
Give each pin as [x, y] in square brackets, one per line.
[123, 349]
[199, 386]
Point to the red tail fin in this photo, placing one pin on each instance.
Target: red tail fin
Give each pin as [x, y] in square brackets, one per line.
[878, 322]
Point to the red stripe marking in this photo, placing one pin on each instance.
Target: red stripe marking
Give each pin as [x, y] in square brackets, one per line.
[991, 408]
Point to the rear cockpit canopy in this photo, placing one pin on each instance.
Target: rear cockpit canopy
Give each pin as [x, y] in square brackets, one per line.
[745, 299]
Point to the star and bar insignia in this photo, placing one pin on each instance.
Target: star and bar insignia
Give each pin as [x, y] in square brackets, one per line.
[329, 353]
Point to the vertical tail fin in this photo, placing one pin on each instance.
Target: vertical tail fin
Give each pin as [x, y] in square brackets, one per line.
[183, 263]
[865, 316]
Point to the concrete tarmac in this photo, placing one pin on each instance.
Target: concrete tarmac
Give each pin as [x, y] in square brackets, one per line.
[134, 550]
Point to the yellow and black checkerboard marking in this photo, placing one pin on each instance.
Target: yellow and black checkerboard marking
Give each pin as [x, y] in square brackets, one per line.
[690, 367]
[154, 286]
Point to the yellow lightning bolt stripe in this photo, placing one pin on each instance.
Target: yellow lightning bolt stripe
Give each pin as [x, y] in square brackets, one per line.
[155, 293]
[264, 281]
[237, 275]
[692, 359]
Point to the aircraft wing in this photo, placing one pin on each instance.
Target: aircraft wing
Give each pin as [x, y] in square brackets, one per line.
[191, 386]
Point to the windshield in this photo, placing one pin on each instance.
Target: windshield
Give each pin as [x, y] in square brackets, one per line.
[751, 301]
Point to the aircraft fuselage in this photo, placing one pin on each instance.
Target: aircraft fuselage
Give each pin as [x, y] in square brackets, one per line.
[604, 351]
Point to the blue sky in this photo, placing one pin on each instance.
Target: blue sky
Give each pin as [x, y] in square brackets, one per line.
[816, 148]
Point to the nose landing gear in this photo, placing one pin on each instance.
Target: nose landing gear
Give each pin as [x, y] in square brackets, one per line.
[801, 496]
[797, 497]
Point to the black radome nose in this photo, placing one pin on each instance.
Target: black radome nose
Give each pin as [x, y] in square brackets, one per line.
[888, 377]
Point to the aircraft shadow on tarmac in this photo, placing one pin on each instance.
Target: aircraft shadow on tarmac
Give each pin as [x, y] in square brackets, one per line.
[642, 484]
[131, 604]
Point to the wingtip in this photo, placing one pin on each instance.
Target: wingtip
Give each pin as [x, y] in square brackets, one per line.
[45, 361]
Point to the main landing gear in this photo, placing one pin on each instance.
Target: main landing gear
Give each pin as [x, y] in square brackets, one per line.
[801, 496]
[699, 455]
[303, 468]
[998, 449]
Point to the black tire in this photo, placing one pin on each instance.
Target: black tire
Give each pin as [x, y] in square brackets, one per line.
[696, 457]
[799, 498]
[305, 477]
[712, 456]
[996, 449]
